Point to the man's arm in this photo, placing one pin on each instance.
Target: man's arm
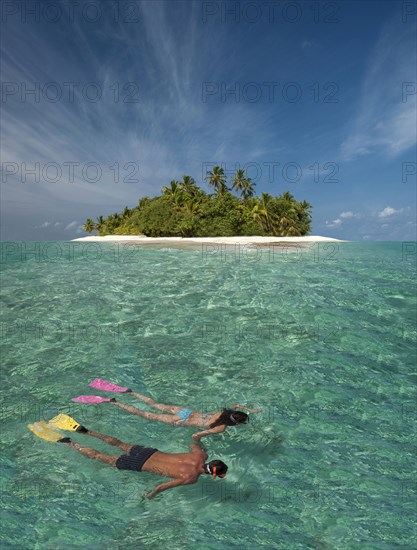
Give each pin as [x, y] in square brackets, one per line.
[234, 407]
[216, 430]
[168, 485]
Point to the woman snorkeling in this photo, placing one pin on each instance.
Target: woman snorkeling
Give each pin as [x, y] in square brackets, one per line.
[212, 423]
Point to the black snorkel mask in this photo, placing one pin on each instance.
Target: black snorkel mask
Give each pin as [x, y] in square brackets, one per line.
[233, 419]
[213, 472]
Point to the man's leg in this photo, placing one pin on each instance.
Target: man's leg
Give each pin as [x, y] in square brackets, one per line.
[111, 441]
[91, 453]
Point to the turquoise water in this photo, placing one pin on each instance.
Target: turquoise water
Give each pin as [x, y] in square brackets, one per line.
[323, 340]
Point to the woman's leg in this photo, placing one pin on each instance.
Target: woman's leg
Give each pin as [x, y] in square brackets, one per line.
[91, 453]
[165, 418]
[111, 441]
[166, 408]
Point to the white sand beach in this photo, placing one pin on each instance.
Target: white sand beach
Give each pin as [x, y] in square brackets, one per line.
[247, 240]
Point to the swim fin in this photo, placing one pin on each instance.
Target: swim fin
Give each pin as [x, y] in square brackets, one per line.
[65, 422]
[108, 386]
[92, 399]
[42, 430]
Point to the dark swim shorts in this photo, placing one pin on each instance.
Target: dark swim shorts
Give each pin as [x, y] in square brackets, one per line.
[136, 458]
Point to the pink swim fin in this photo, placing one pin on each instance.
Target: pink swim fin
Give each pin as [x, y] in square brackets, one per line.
[108, 386]
[91, 399]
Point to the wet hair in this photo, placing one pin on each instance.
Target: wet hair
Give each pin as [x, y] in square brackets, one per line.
[220, 466]
[229, 417]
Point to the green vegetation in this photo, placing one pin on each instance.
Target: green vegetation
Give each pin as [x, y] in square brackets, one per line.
[185, 210]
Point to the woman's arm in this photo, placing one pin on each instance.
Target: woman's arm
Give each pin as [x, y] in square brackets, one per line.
[216, 430]
[234, 407]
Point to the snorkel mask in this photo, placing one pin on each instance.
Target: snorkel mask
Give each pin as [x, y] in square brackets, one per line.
[233, 419]
[214, 474]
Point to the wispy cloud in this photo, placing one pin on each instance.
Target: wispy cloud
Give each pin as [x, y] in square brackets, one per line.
[386, 117]
[71, 225]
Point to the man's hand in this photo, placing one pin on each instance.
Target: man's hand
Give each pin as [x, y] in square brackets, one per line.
[149, 493]
[165, 486]
[197, 436]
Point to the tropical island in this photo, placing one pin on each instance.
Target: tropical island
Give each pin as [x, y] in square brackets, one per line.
[185, 210]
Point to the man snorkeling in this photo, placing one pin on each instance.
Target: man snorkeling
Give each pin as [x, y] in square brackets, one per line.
[183, 468]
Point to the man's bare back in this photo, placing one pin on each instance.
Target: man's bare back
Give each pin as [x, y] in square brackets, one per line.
[178, 465]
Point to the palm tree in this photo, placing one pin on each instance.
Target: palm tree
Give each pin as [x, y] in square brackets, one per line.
[192, 207]
[189, 185]
[287, 224]
[266, 201]
[89, 226]
[288, 215]
[100, 224]
[112, 221]
[259, 215]
[175, 194]
[241, 183]
[238, 180]
[304, 217]
[173, 190]
[126, 212]
[304, 205]
[248, 189]
[286, 196]
[217, 179]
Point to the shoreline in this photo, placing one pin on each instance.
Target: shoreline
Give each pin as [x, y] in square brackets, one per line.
[193, 242]
[246, 240]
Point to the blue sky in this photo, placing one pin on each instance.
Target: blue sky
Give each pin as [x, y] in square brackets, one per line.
[315, 98]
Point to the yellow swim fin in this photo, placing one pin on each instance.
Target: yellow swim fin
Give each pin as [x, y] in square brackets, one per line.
[65, 422]
[42, 430]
